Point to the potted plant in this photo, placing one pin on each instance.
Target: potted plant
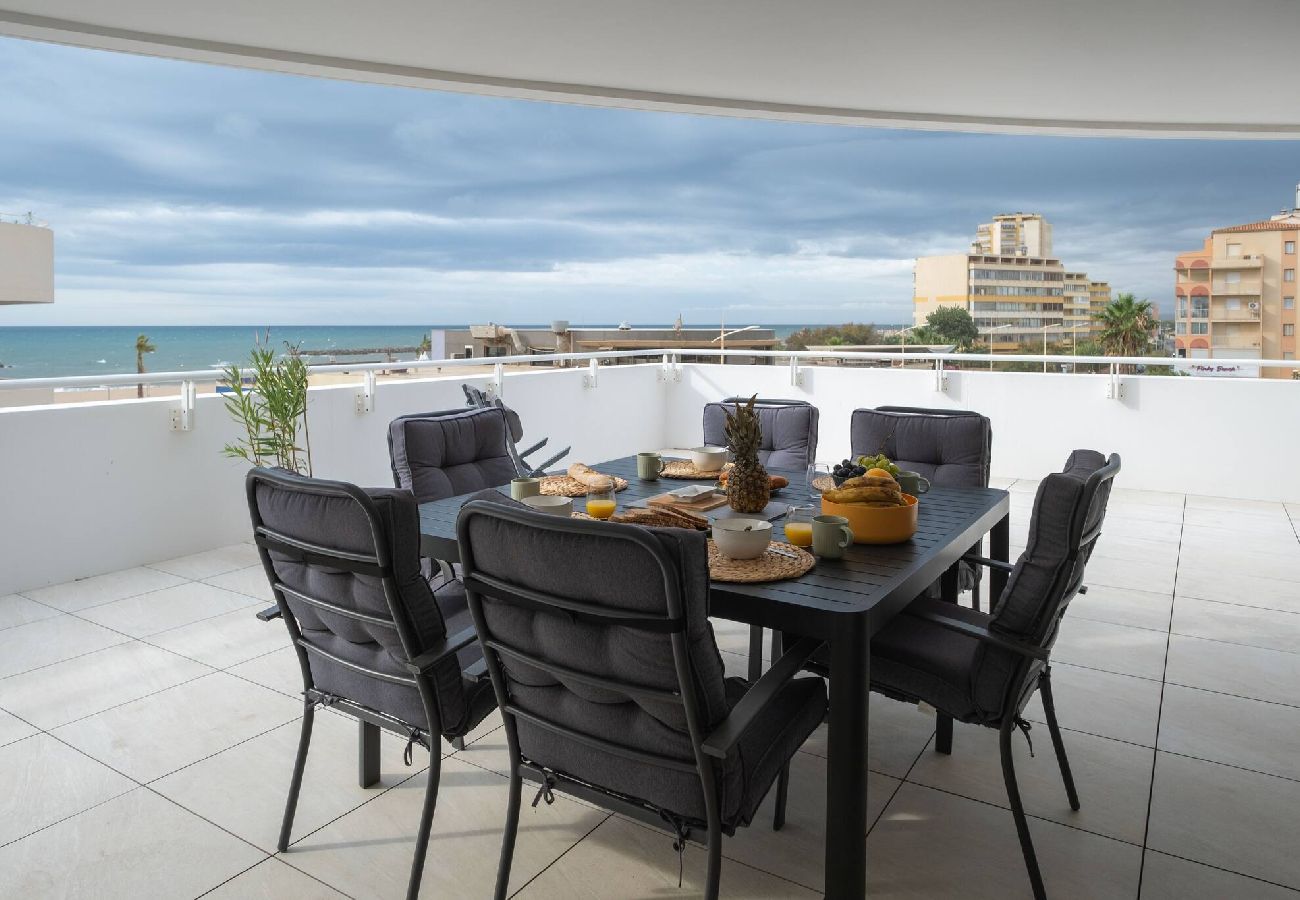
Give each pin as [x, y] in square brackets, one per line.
[269, 399]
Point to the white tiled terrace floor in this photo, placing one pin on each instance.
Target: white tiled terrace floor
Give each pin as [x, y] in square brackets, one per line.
[148, 721]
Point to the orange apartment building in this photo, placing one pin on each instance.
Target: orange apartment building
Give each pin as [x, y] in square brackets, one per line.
[1236, 297]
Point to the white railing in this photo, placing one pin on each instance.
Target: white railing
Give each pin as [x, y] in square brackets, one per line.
[95, 487]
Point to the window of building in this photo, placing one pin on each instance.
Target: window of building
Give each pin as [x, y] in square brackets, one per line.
[1234, 249]
[1288, 331]
[1288, 274]
[1288, 354]
[1233, 303]
[1200, 328]
[1233, 278]
[1288, 302]
[1180, 328]
[1288, 247]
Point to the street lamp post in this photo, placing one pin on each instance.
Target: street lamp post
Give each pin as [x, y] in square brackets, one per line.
[722, 338]
[990, 334]
[1047, 328]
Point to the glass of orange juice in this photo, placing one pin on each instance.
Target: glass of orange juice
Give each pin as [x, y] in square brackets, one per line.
[600, 499]
[798, 526]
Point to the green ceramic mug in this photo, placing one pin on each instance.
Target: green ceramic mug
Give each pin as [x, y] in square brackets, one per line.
[913, 483]
[525, 487]
[649, 465]
[831, 536]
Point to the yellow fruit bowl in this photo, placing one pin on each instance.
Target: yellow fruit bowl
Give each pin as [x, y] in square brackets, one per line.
[877, 524]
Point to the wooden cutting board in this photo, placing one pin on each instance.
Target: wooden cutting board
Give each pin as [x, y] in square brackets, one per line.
[699, 504]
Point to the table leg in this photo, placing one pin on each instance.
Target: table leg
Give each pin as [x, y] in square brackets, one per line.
[846, 781]
[950, 586]
[367, 754]
[999, 549]
[755, 653]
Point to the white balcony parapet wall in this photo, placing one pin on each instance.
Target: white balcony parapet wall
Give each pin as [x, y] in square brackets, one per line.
[97, 487]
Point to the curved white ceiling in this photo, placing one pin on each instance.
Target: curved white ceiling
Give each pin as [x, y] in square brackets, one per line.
[1163, 68]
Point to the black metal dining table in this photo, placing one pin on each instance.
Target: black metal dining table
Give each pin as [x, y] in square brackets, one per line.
[841, 601]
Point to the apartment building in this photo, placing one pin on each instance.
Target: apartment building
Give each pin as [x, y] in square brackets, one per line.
[1012, 286]
[1235, 296]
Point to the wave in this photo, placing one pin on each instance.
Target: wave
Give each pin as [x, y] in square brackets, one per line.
[102, 362]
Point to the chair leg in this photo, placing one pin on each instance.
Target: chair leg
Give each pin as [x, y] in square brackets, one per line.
[508, 839]
[1018, 810]
[295, 780]
[458, 743]
[942, 733]
[1049, 709]
[713, 878]
[426, 820]
[782, 792]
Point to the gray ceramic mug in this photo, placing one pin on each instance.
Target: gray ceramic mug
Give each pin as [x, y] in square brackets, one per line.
[831, 536]
[649, 465]
[913, 483]
[525, 487]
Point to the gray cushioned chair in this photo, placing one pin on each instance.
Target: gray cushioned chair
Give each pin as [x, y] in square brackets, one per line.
[983, 669]
[789, 430]
[611, 686]
[437, 455]
[950, 447]
[373, 640]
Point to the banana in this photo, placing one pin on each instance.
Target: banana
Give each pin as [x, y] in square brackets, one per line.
[869, 481]
[866, 495]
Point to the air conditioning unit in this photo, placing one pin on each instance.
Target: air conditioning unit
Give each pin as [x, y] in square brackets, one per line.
[1253, 306]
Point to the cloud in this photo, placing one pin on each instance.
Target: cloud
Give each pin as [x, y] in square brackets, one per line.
[183, 193]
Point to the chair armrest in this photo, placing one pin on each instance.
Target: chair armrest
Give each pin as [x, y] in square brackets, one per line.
[447, 647]
[990, 563]
[982, 634]
[272, 612]
[742, 716]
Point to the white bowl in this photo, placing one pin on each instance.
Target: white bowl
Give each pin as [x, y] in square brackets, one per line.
[742, 538]
[709, 459]
[556, 506]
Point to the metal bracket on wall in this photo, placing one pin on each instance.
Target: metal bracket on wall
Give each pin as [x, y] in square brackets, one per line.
[366, 396]
[940, 377]
[497, 386]
[796, 374]
[589, 380]
[183, 415]
[1114, 384]
[670, 370]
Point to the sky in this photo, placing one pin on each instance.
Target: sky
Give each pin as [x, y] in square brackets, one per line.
[183, 194]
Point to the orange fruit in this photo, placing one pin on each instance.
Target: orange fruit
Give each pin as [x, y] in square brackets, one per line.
[879, 473]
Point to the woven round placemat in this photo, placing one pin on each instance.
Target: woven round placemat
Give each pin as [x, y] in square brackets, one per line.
[685, 469]
[564, 486]
[824, 483]
[768, 567]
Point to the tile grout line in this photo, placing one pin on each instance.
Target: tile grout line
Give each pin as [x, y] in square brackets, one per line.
[523, 887]
[1155, 752]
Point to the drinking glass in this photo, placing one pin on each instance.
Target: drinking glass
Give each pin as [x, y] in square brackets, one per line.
[798, 526]
[816, 472]
[601, 502]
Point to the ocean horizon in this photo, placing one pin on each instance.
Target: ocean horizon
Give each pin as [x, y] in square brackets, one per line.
[50, 351]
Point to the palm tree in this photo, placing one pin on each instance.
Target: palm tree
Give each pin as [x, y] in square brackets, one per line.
[1126, 326]
[142, 346]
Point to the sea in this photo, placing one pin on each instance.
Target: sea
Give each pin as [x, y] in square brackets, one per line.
[52, 351]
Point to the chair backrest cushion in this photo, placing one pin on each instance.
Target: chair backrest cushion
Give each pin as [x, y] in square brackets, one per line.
[952, 448]
[789, 431]
[1051, 568]
[439, 455]
[315, 513]
[596, 567]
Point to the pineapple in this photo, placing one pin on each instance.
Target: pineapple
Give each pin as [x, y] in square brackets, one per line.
[748, 488]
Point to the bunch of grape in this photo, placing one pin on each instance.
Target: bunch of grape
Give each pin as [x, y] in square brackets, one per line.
[879, 461]
[847, 468]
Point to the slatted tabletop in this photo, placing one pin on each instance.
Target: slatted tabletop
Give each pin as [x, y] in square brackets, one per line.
[874, 579]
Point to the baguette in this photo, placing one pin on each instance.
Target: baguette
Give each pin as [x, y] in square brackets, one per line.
[585, 474]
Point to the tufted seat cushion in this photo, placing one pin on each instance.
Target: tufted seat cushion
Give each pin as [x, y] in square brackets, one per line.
[914, 659]
[952, 448]
[789, 432]
[597, 568]
[439, 455]
[340, 523]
